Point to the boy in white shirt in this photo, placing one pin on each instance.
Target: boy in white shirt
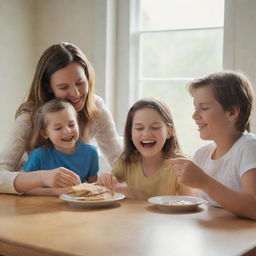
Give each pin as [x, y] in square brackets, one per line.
[224, 171]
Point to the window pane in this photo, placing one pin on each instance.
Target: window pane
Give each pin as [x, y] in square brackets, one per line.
[175, 14]
[176, 96]
[189, 53]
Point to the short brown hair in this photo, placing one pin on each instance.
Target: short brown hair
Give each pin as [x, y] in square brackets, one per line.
[171, 147]
[231, 89]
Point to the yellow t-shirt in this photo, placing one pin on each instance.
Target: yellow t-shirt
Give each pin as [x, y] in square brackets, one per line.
[163, 182]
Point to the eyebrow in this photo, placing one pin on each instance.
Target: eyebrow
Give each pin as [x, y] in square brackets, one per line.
[80, 79]
[151, 123]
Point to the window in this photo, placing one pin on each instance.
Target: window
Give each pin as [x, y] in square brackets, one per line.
[175, 41]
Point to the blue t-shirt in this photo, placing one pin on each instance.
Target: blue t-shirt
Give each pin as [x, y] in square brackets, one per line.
[84, 161]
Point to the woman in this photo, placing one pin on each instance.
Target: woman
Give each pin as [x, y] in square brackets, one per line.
[63, 72]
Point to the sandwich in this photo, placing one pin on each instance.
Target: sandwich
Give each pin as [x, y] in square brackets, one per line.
[90, 192]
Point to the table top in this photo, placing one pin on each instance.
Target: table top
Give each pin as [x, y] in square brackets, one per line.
[31, 225]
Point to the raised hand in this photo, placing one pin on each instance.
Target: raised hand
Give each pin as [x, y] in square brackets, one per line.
[189, 173]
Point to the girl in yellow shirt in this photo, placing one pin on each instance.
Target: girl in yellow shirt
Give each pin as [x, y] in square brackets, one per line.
[150, 139]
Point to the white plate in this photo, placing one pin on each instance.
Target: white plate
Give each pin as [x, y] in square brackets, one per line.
[167, 203]
[72, 201]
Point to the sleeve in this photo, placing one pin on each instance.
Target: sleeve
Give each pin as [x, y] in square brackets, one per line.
[246, 159]
[105, 133]
[12, 154]
[34, 162]
[119, 170]
[94, 166]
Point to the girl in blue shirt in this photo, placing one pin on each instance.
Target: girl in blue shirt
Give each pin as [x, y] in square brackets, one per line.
[55, 139]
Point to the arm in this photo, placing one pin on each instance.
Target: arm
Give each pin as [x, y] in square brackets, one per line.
[104, 131]
[239, 203]
[10, 157]
[184, 190]
[56, 178]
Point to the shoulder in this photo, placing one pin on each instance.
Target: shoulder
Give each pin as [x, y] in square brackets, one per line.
[87, 147]
[205, 148]
[246, 143]
[24, 120]
[38, 152]
[247, 138]
[99, 102]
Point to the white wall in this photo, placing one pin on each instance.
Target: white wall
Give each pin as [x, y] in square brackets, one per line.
[27, 28]
[16, 62]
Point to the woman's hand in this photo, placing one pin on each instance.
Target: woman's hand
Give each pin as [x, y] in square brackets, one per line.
[60, 178]
[188, 173]
[107, 180]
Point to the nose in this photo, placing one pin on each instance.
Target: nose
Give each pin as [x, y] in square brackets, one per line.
[74, 92]
[195, 115]
[67, 129]
[146, 132]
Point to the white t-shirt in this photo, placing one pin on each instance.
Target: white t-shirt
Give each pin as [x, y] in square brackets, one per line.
[228, 169]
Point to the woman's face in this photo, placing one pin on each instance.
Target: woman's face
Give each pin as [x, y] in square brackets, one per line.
[71, 84]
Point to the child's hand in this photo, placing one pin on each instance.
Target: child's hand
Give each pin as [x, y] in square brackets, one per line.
[60, 178]
[107, 179]
[188, 173]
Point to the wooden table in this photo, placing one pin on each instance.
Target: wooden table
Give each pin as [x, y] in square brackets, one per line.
[49, 226]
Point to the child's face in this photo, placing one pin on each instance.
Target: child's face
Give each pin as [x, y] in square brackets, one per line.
[213, 122]
[71, 84]
[149, 132]
[62, 130]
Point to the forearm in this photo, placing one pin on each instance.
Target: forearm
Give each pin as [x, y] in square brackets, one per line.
[238, 203]
[26, 181]
[184, 190]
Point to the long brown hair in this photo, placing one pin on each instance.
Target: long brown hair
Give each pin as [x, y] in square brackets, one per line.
[54, 58]
[171, 147]
[39, 122]
[230, 89]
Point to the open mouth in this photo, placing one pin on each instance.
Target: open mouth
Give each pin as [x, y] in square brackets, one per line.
[148, 143]
[68, 139]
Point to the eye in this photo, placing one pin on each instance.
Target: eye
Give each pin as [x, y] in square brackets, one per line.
[63, 88]
[71, 125]
[57, 129]
[80, 83]
[138, 129]
[156, 128]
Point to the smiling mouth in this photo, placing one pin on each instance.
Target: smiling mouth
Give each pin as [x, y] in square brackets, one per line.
[200, 126]
[68, 139]
[148, 143]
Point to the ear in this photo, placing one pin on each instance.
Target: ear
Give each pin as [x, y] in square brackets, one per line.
[170, 133]
[43, 133]
[233, 113]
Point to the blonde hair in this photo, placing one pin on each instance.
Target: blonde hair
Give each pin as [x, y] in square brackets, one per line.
[171, 147]
[54, 58]
[39, 122]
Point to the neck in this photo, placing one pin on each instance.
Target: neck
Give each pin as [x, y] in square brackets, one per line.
[225, 143]
[151, 165]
